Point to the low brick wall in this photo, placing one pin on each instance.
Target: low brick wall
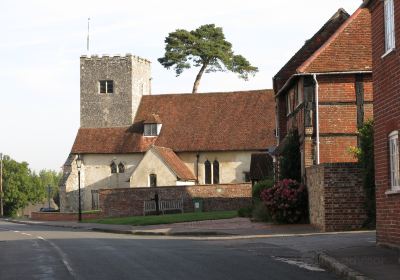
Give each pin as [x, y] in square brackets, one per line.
[130, 201]
[336, 196]
[56, 216]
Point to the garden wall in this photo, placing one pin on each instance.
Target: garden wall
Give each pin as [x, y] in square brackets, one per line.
[336, 197]
[130, 201]
[57, 216]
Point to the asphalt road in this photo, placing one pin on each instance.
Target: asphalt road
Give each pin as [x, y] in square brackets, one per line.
[38, 252]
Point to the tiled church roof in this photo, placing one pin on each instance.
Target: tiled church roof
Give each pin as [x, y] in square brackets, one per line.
[175, 163]
[191, 122]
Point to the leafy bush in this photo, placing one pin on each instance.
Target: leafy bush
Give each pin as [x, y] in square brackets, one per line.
[286, 201]
[365, 155]
[259, 187]
[260, 213]
[290, 157]
[245, 212]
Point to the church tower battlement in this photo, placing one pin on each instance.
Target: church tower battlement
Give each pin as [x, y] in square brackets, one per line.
[111, 88]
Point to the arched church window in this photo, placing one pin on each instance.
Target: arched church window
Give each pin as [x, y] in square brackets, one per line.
[121, 168]
[207, 172]
[215, 172]
[113, 167]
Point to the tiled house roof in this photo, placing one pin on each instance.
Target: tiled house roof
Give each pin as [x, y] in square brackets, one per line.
[153, 118]
[174, 163]
[348, 49]
[309, 48]
[191, 122]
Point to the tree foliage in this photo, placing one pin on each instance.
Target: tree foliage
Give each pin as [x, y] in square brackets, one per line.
[21, 186]
[290, 158]
[50, 178]
[204, 47]
[365, 155]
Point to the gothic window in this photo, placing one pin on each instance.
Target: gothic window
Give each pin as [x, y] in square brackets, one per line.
[153, 180]
[106, 86]
[121, 168]
[207, 172]
[113, 167]
[215, 172]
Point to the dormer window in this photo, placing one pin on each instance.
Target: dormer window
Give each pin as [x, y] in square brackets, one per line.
[106, 86]
[152, 125]
[150, 129]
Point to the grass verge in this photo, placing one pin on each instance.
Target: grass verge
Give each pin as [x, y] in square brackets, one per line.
[166, 219]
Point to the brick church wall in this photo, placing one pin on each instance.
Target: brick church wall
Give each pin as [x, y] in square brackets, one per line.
[130, 201]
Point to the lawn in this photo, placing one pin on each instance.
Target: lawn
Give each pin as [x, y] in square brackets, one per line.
[166, 219]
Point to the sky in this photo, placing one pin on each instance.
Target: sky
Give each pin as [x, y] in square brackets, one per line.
[42, 41]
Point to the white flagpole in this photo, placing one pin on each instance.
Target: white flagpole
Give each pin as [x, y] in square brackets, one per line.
[87, 40]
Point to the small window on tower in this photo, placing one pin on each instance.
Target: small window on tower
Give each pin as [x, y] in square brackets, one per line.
[106, 86]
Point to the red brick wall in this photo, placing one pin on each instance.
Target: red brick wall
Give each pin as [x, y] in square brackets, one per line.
[337, 88]
[386, 81]
[337, 117]
[336, 149]
[368, 88]
[55, 216]
[336, 196]
[129, 201]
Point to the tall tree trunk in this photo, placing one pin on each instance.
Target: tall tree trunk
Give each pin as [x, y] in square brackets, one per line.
[198, 77]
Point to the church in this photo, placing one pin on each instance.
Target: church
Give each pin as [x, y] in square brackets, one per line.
[131, 138]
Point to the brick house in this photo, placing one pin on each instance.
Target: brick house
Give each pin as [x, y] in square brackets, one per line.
[325, 90]
[386, 66]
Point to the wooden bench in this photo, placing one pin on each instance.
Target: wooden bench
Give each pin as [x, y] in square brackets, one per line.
[149, 206]
[169, 205]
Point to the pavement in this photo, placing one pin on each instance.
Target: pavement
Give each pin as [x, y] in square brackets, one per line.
[368, 261]
[239, 227]
[352, 260]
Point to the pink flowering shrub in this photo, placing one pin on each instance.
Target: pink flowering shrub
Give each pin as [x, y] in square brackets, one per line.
[286, 201]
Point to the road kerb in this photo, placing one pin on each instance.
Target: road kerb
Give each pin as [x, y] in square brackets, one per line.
[185, 234]
[339, 268]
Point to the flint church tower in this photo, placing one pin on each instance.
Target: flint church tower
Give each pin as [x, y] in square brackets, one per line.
[111, 89]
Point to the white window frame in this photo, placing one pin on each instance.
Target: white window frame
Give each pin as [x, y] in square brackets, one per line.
[212, 172]
[389, 25]
[107, 82]
[288, 103]
[394, 160]
[150, 130]
[299, 92]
